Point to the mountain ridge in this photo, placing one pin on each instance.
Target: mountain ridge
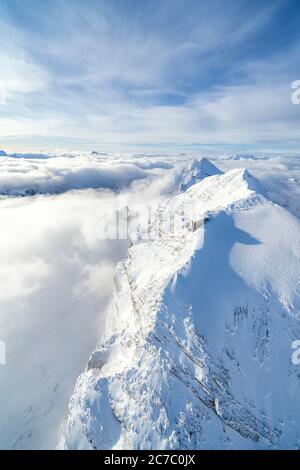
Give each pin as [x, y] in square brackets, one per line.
[194, 336]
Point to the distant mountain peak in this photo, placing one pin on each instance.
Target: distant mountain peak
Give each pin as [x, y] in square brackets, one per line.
[195, 171]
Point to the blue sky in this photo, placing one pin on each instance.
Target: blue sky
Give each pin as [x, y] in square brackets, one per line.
[170, 74]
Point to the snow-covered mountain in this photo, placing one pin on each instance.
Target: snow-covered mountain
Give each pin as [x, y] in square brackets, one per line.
[195, 171]
[197, 347]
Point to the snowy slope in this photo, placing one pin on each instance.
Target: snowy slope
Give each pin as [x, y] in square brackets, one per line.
[197, 348]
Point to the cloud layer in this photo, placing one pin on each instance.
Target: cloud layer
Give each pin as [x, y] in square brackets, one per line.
[30, 174]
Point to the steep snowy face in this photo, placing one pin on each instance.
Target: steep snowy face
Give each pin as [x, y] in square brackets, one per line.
[196, 171]
[197, 350]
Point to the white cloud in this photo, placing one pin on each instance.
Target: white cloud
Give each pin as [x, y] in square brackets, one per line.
[20, 76]
[39, 174]
[20, 73]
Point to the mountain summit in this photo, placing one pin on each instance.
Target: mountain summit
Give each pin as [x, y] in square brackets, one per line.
[196, 171]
